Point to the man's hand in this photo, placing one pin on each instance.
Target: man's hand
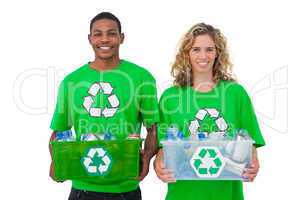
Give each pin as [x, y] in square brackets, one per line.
[51, 170]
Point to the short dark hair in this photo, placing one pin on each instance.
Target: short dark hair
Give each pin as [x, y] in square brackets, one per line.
[106, 15]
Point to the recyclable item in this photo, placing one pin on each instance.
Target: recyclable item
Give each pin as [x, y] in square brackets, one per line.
[64, 136]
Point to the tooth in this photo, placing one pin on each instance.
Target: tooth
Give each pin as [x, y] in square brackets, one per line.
[105, 48]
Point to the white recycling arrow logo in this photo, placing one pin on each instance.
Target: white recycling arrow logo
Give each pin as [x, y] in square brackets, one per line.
[213, 113]
[97, 161]
[113, 100]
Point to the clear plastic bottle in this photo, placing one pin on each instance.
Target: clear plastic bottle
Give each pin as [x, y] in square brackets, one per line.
[239, 151]
[88, 137]
[172, 132]
[217, 135]
[242, 134]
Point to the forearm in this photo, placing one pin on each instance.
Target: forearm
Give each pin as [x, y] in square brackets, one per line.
[150, 148]
[254, 153]
[160, 154]
[51, 172]
[50, 140]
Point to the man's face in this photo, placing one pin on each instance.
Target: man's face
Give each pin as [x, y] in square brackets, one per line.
[105, 39]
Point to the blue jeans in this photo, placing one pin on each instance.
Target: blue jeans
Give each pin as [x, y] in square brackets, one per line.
[87, 195]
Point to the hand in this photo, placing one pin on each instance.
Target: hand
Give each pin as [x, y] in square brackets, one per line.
[51, 173]
[251, 172]
[144, 170]
[164, 174]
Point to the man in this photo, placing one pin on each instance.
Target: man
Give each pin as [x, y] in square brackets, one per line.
[124, 97]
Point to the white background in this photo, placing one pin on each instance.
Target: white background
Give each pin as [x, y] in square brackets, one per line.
[41, 41]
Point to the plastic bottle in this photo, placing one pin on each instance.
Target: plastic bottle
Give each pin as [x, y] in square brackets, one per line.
[171, 133]
[238, 150]
[88, 137]
[64, 136]
[241, 148]
[133, 136]
[202, 136]
[180, 135]
[234, 167]
[108, 136]
[242, 134]
[217, 135]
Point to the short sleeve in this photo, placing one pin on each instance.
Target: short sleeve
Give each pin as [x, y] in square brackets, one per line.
[164, 119]
[61, 119]
[248, 119]
[148, 100]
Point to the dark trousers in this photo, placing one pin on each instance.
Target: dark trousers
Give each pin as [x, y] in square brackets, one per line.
[87, 195]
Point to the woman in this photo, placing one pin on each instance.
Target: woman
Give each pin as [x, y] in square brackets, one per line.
[204, 85]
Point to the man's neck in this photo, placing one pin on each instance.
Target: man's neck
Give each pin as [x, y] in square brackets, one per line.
[102, 65]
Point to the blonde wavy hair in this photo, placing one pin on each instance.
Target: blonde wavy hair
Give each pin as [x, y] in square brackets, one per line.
[182, 69]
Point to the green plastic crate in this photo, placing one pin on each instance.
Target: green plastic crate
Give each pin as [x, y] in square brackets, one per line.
[101, 162]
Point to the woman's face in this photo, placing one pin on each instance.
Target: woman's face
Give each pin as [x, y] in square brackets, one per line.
[202, 54]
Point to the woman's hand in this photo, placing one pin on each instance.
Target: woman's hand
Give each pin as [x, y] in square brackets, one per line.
[166, 175]
[250, 173]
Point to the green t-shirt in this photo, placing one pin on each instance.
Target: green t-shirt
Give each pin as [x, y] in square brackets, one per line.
[226, 108]
[117, 100]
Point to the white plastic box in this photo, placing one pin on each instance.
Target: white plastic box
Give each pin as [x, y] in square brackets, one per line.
[208, 159]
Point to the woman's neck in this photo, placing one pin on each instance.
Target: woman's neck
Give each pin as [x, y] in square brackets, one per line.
[203, 82]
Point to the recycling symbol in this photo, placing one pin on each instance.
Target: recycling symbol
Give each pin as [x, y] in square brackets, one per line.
[207, 162]
[113, 100]
[214, 114]
[97, 161]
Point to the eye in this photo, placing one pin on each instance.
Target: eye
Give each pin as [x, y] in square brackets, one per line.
[196, 49]
[210, 49]
[112, 33]
[97, 34]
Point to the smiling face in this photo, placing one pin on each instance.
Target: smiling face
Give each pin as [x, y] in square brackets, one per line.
[105, 39]
[202, 54]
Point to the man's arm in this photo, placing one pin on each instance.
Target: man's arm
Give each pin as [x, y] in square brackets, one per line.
[150, 149]
[51, 171]
[51, 139]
